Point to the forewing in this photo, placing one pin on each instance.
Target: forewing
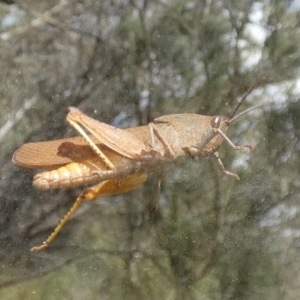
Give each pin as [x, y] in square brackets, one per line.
[52, 154]
[56, 153]
[119, 140]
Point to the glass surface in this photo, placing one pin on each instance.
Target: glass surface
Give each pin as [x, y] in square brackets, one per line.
[125, 63]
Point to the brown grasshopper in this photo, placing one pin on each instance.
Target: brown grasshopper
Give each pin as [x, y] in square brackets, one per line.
[122, 159]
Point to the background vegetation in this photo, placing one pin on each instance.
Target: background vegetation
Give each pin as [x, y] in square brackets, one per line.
[125, 63]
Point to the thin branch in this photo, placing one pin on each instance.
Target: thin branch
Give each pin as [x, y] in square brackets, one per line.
[83, 255]
[47, 19]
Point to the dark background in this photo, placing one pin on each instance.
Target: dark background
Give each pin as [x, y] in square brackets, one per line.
[125, 63]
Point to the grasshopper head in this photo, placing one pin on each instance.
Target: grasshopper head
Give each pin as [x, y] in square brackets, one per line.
[211, 141]
[218, 127]
[219, 122]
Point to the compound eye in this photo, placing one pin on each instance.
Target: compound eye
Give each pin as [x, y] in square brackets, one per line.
[215, 122]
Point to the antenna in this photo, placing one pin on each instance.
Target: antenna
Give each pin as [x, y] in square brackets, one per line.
[231, 117]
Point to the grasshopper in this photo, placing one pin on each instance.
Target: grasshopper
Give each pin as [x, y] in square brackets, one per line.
[121, 159]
